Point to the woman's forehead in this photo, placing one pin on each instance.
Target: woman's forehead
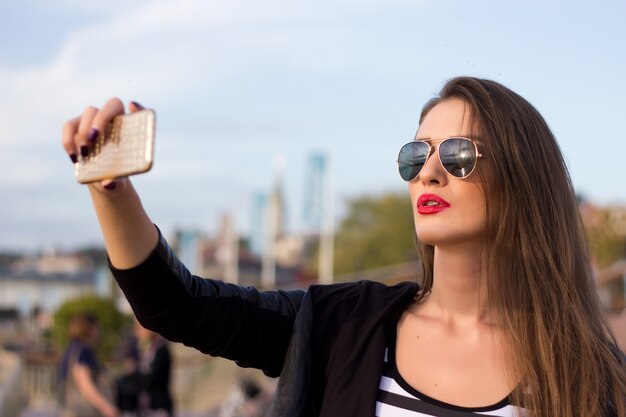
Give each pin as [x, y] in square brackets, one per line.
[451, 117]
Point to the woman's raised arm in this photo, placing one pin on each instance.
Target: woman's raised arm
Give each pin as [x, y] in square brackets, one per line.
[129, 234]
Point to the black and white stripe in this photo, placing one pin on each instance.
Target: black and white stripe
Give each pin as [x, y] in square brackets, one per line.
[395, 401]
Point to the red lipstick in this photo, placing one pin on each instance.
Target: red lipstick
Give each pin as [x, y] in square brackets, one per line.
[431, 204]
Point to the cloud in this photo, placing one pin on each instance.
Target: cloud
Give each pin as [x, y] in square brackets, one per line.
[165, 49]
[163, 46]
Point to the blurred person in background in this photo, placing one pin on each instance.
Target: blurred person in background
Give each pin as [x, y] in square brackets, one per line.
[506, 321]
[85, 390]
[128, 383]
[154, 369]
[143, 389]
[247, 398]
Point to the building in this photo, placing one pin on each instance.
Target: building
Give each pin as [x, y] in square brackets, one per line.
[44, 282]
[315, 192]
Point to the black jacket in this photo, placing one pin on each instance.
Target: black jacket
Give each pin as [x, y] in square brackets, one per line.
[326, 344]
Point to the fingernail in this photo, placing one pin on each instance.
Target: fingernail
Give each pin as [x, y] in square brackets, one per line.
[111, 185]
[137, 105]
[84, 150]
[93, 134]
[74, 158]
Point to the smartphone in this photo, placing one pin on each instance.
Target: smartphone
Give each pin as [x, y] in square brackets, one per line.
[125, 148]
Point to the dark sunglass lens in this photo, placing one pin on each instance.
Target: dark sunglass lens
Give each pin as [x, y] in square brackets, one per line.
[458, 156]
[411, 159]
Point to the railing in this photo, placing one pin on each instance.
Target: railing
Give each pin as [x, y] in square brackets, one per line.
[39, 381]
[10, 398]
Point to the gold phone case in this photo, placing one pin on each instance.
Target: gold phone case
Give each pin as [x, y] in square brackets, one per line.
[126, 148]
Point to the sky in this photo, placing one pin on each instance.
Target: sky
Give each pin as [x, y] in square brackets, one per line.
[236, 82]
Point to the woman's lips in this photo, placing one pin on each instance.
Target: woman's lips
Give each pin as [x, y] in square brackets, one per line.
[431, 204]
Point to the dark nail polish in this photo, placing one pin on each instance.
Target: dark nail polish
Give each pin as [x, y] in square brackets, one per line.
[111, 186]
[74, 158]
[84, 150]
[137, 105]
[93, 134]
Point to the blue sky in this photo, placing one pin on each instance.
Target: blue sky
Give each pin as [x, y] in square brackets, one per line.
[235, 82]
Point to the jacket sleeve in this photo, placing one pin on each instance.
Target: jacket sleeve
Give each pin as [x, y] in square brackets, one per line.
[248, 326]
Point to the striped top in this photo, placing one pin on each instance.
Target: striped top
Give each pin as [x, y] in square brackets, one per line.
[396, 398]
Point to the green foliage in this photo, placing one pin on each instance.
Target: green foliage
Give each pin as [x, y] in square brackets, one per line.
[110, 318]
[607, 240]
[376, 232]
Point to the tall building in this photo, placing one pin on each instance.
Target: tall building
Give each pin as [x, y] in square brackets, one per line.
[227, 251]
[318, 211]
[258, 223]
[188, 247]
[274, 225]
[314, 191]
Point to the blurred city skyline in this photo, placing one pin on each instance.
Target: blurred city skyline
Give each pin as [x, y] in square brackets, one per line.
[236, 83]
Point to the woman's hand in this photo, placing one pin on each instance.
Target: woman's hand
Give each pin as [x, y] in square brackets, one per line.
[129, 234]
[81, 133]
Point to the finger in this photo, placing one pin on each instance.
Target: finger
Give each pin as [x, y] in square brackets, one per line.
[85, 137]
[109, 184]
[112, 184]
[133, 106]
[113, 107]
[67, 138]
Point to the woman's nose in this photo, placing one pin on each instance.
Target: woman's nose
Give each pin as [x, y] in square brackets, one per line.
[432, 172]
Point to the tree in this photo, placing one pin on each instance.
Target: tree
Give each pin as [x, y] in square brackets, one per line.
[376, 232]
[110, 318]
[606, 228]
[607, 238]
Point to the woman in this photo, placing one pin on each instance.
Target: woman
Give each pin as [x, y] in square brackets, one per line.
[144, 388]
[83, 396]
[505, 323]
[154, 369]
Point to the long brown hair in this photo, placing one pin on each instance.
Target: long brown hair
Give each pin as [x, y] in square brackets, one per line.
[541, 283]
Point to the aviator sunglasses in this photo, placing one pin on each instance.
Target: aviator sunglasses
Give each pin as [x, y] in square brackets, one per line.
[457, 156]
